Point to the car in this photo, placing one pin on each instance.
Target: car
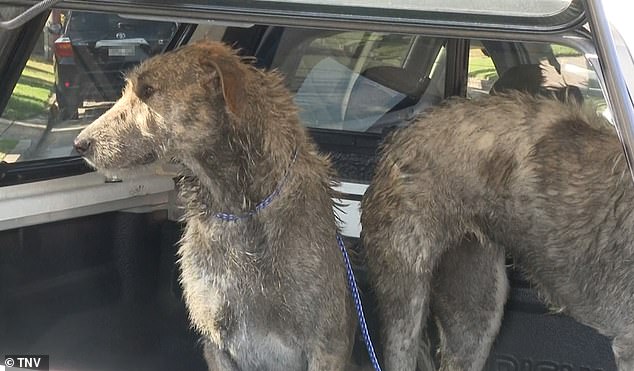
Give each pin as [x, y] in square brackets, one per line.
[88, 271]
[93, 51]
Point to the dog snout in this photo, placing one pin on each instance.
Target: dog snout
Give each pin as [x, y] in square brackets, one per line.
[82, 145]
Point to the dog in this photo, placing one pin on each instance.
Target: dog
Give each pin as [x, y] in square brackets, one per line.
[263, 279]
[472, 180]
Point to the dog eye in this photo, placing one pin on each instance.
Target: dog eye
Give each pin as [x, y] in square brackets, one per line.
[146, 91]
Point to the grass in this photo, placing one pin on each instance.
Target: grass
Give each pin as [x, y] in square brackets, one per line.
[6, 145]
[32, 92]
[564, 51]
[481, 66]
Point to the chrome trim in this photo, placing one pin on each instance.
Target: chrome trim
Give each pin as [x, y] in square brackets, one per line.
[121, 42]
[617, 97]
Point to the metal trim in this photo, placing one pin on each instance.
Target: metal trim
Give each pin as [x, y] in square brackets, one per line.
[87, 194]
[618, 97]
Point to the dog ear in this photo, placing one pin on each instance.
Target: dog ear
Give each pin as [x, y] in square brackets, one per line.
[231, 78]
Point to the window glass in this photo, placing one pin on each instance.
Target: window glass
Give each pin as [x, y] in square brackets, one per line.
[537, 68]
[355, 81]
[210, 32]
[482, 71]
[356, 51]
[351, 81]
[74, 74]
[518, 8]
[577, 72]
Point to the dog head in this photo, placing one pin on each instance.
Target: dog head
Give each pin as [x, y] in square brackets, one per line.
[172, 105]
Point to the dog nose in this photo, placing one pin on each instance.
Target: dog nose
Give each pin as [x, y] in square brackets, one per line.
[82, 145]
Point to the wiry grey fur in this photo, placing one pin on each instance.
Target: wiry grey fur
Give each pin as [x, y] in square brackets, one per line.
[268, 292]
[471, 180]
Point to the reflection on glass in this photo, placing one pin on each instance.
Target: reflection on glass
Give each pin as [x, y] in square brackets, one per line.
[73, 75]
[517, 8]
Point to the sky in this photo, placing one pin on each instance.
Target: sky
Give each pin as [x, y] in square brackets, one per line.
[619, 12]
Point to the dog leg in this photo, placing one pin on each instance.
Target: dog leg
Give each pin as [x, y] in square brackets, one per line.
[402, 333]
[623, 348]
[469, 291]
[425, 361]
[402, 308]
[400, 268]
[323, 361]
[217, 359]
[403, 243]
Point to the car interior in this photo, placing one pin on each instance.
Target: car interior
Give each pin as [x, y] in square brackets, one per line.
[101, 292]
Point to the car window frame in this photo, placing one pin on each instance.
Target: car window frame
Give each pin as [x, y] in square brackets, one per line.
[615, 84]
[20, 43]
[319, 15]
[454, 87]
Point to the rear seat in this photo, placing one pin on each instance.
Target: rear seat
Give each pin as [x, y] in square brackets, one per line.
[537, 79]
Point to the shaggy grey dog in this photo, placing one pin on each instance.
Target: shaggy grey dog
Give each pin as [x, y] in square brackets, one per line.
[268, 291]
[470, 181]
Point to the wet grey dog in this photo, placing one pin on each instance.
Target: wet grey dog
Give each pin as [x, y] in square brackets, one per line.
[470, 181]
[267, 291]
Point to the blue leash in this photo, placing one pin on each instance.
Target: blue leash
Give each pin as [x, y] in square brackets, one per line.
[352, 282]
[354, 289]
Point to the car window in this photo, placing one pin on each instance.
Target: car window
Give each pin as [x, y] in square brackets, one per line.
[345, 82]
[537, 68]
[577, 72]
[482, 72]
[353, 81]
[73, 75]
[356, 51]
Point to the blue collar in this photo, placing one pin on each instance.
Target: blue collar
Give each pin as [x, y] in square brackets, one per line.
[228, 217]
